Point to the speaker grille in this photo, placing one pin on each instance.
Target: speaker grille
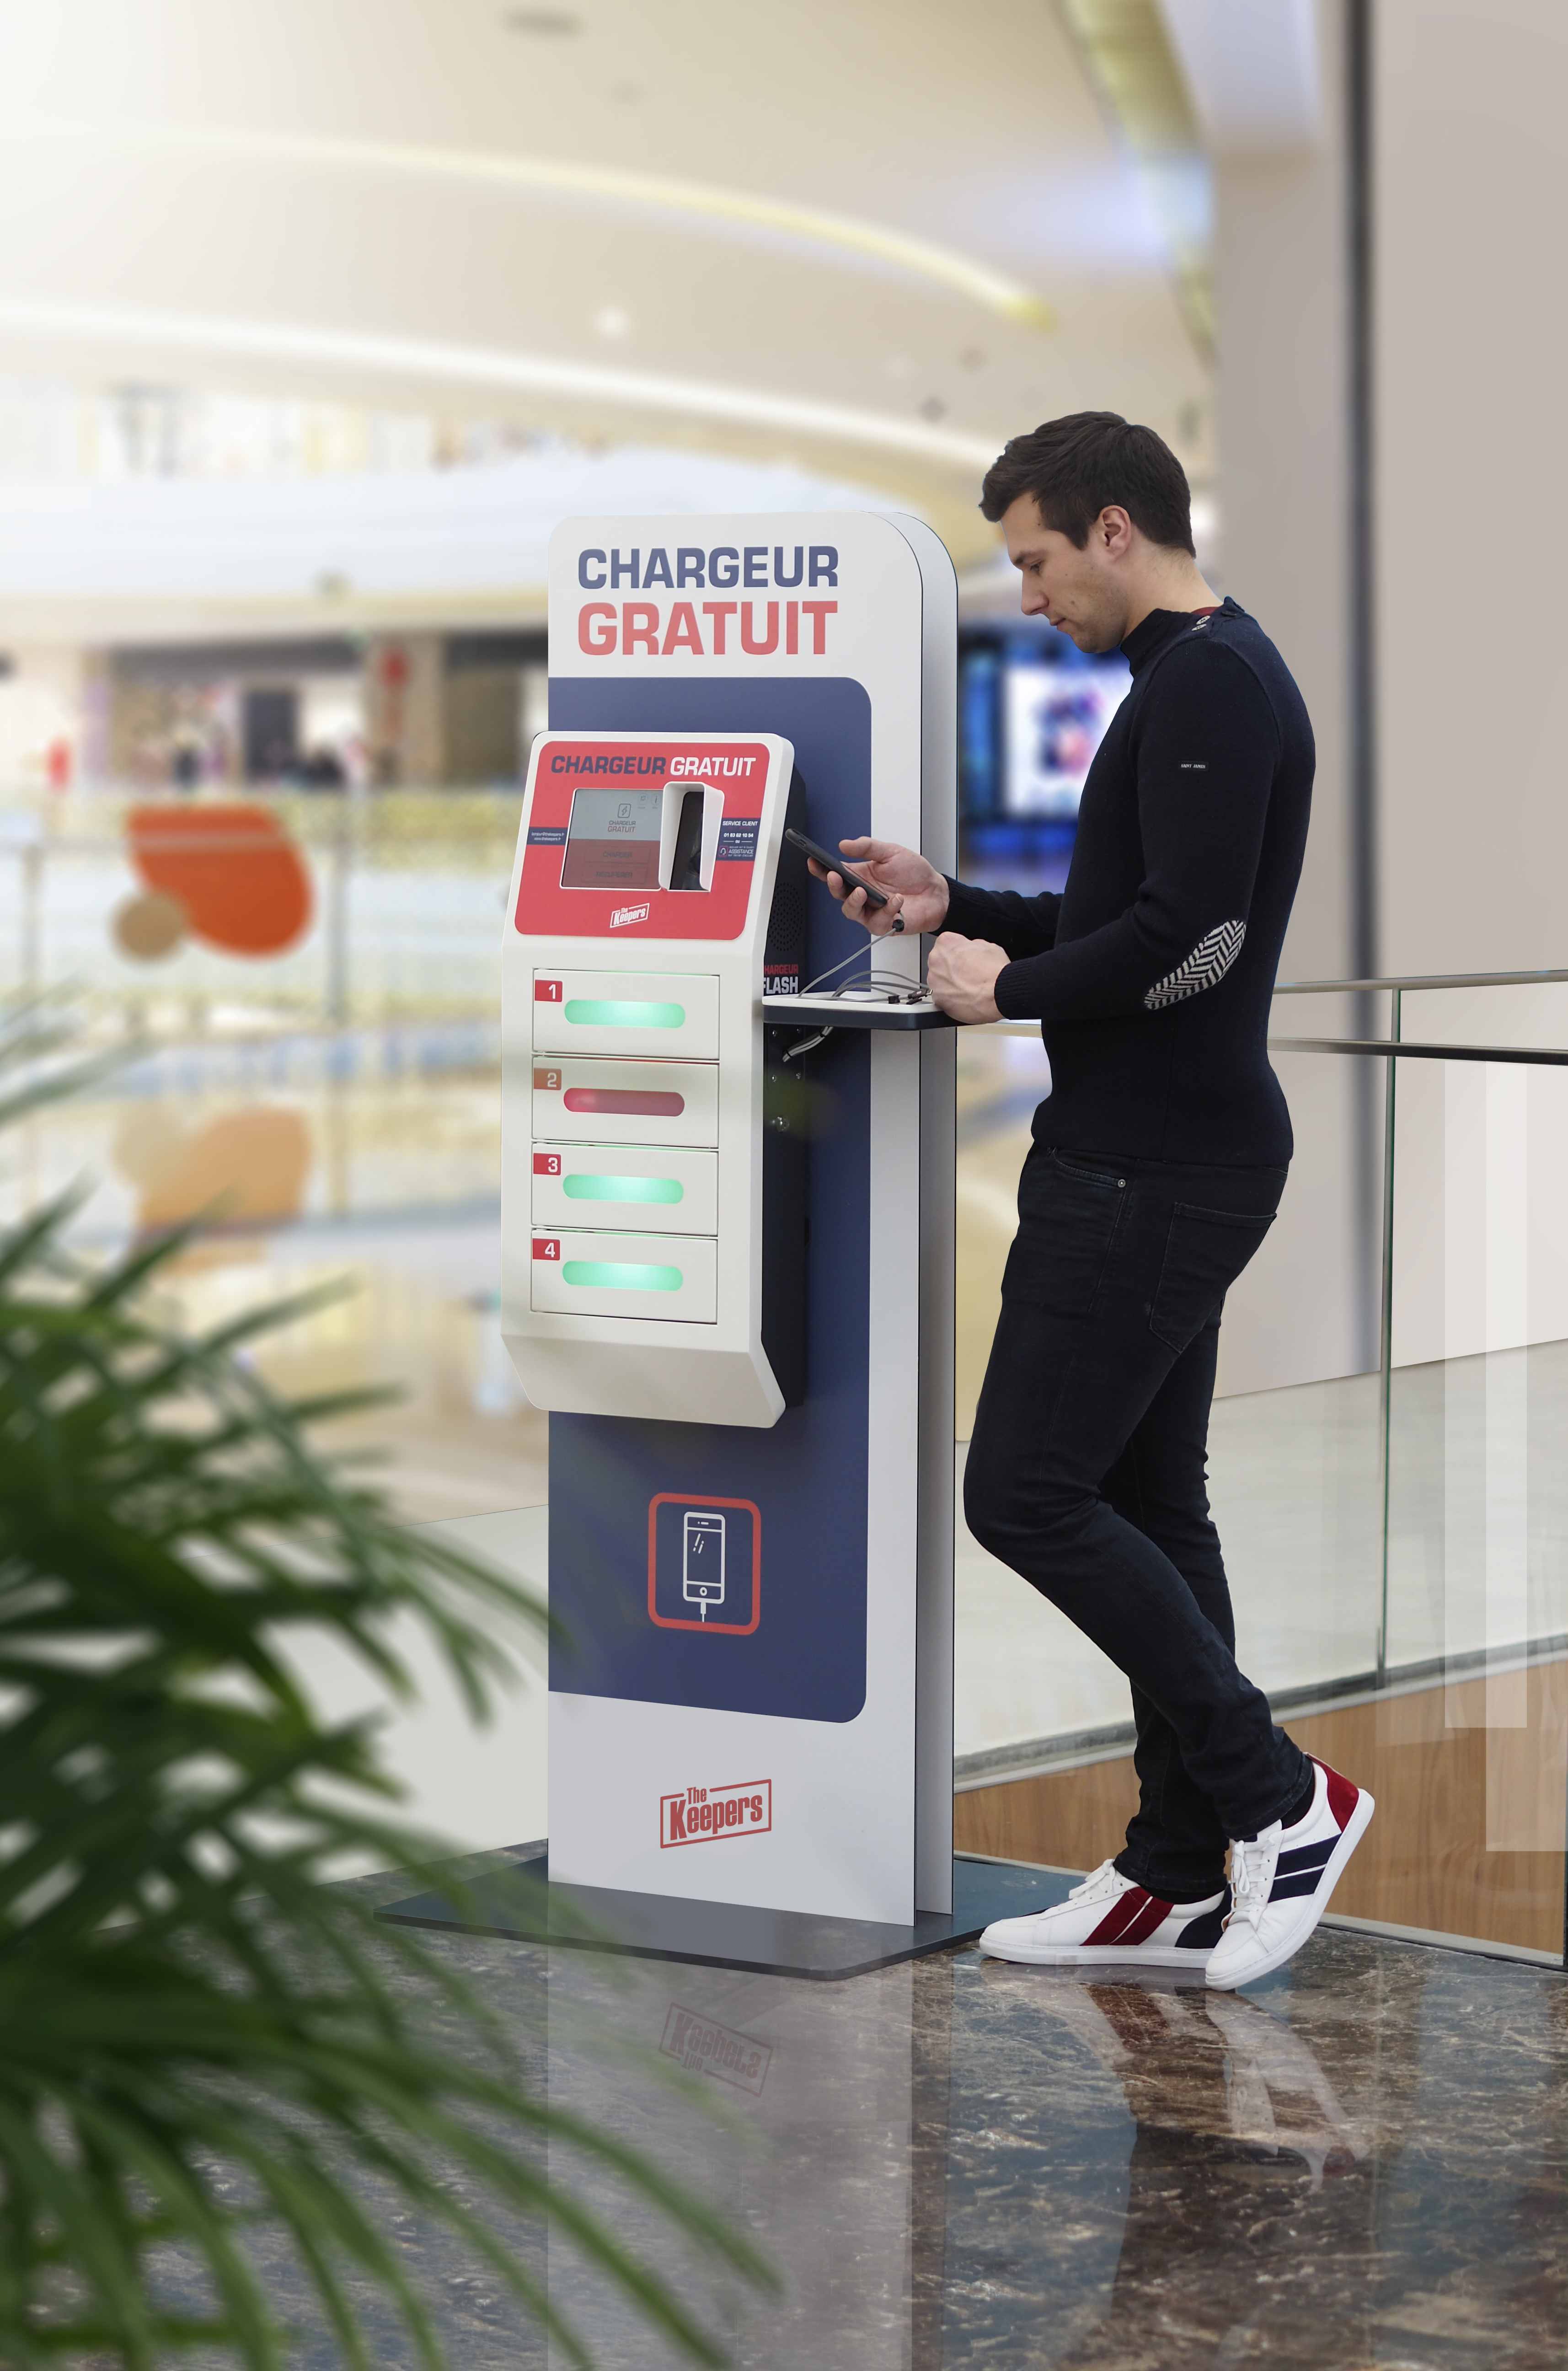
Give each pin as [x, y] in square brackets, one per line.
[787, 922]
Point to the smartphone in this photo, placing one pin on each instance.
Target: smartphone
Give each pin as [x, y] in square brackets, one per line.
[702, 1577]
[831, 863]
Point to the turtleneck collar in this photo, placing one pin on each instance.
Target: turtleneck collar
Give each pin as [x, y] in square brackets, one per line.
[1162, 626]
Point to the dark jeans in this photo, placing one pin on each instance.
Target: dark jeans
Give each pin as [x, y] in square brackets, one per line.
[1088, 1473]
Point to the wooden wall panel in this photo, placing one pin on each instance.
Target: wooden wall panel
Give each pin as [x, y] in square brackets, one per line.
[1448, 1795]
[1081, 1815]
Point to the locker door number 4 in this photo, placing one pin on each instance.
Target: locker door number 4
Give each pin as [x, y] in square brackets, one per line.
[547, 1247]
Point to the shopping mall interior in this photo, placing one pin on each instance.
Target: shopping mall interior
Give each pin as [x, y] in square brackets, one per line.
[316, 322]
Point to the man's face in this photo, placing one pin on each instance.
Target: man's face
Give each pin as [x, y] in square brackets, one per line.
[1080, 593]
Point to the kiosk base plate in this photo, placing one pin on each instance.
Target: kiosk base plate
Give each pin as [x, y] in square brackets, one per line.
[506, 1902]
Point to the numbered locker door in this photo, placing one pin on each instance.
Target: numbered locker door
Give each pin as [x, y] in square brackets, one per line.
[665, 1014]
[668, 1278]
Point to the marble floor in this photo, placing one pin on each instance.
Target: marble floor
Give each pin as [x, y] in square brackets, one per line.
[1363, 2162]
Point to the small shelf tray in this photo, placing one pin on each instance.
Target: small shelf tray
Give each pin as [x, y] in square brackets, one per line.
[853, 1013]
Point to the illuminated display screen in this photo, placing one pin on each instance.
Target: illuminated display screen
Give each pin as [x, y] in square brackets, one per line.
[623, 1189]
[1055, 721]
[612, 841]
[622, 1276]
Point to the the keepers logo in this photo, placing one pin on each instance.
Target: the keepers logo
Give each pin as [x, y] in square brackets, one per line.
[706, 2047]
[704, 1815]
[625, 914]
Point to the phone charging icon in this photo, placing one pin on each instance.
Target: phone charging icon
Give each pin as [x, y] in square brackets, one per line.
[702, 1560]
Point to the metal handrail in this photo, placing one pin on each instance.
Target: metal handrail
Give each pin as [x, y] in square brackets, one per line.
[1424, 1049]
[1420, 1047]
[1395, 1048]
[1429, 979]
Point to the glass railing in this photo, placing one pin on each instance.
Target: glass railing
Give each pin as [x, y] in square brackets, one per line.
[307, 988]
[300, 911]
[1387, 1463]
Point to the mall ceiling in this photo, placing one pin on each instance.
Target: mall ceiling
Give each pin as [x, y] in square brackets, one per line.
[869, 237]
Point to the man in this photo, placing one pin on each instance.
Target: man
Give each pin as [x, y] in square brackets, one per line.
[1157, 1163]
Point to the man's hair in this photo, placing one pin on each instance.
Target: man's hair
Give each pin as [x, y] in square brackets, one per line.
[1075, 467]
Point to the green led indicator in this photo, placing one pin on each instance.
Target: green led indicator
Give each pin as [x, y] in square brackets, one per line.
[607, 1012]
[623, 1189]
[622, 1276]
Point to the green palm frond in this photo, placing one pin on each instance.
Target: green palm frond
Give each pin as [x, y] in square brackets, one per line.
[199, 2036]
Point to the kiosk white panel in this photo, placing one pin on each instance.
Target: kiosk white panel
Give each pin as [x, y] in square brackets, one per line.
[772, 1435]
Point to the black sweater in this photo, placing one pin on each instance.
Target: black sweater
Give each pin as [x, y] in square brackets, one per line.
[1152, 972]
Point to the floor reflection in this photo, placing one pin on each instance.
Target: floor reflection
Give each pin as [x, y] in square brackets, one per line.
[961, 2163]
[1237, 2209]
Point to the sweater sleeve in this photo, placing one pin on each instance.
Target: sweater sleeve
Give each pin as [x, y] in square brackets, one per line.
[1021, 926]
[1207, 749]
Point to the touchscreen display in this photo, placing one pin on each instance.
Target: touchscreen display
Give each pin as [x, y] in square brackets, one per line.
[612, 841]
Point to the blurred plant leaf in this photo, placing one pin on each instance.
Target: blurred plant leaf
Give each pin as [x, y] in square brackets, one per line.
[197, 2034]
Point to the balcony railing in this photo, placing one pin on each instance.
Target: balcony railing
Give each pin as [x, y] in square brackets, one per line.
[1395, 1525]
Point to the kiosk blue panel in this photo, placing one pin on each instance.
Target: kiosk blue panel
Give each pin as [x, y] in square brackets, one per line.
[785, 1509]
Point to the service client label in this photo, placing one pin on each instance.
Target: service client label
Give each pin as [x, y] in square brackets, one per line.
[704, 1815]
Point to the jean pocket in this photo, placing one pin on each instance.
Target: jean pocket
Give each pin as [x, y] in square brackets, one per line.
[1067, 1219]
[1206, 1251]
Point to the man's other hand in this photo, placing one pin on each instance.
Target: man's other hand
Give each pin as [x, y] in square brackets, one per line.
[962, 976]
[912, 887]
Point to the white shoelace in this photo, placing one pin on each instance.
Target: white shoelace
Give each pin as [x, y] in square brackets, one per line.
[1099, 1881]
[1253, 1860]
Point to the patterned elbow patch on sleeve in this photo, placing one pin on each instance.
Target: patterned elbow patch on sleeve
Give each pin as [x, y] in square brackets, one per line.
[1205, 967]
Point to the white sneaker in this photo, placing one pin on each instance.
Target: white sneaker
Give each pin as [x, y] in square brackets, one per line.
[1106, 1919]
[1281, 1881]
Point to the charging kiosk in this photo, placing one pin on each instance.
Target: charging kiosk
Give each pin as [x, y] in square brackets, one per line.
[653, 1249]
[727, 1226]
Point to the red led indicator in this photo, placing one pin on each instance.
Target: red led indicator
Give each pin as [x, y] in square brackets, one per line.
[626, 1100]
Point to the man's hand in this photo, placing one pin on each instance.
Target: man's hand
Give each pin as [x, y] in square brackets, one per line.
[962, 976]
[913, 888]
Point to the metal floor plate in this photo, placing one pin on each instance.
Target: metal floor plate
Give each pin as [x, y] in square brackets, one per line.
[518, 1903]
